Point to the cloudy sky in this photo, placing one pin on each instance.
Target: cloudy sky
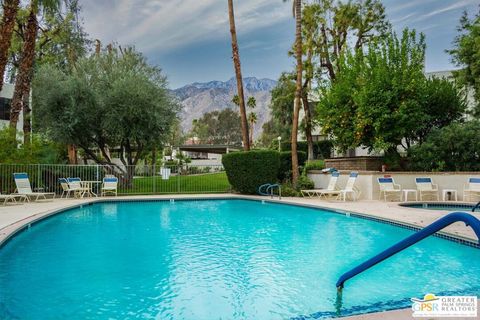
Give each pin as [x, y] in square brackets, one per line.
[190, 39]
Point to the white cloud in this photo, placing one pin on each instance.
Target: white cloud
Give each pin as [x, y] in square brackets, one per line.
[456, 5]
[163, 25]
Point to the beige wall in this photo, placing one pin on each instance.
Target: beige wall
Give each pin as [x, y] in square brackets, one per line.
[367, 181]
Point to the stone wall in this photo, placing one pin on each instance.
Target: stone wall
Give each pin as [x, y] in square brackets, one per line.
[355, 163]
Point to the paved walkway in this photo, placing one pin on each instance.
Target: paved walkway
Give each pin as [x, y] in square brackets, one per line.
[14, 217]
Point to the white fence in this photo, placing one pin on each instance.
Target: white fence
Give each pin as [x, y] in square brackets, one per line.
[133, 180]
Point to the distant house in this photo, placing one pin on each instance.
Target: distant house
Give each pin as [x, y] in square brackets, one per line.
[6, 96]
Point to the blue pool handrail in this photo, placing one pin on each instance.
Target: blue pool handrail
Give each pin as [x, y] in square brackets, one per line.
[475, 207]
[269, 189]
[436, 226]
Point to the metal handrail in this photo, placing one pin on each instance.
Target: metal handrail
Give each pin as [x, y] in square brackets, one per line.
[266, 185]
[436, 226]
[475, 207]
[269, 190]
[276, 185]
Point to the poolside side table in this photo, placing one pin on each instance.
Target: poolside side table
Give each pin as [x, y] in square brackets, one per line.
[407, 191]
[452, 192]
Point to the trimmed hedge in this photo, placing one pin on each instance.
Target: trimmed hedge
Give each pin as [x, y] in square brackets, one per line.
[246, 171]
[285, 172]
[321, 149]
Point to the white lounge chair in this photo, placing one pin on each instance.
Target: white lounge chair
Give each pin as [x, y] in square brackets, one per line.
[12, 198]
[350, 188]
[332, 188]
[66, 189]
[75, 185]
[389, 188]
[426, 188]
[110, 185]
[472, 190]
[24, 188]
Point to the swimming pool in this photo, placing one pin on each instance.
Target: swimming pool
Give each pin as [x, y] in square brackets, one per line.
[217, 259]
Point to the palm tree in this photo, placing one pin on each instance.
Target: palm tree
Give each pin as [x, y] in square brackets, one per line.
[297, 13]
[252, 116]
[10, 9]
[238, 73]
[252, 119]
[27, 58]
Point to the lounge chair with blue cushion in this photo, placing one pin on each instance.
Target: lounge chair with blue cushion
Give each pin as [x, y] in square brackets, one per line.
[76, 186]
[426, 188]
[350, 188]
[471, 191]
[110, 185]
[24, 188]
[66, 188]
[389, 188]
[332, 188]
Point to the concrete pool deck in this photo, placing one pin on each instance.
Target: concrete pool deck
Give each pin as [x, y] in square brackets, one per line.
[16, 217]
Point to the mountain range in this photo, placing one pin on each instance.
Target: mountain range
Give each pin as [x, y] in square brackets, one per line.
[199, 98]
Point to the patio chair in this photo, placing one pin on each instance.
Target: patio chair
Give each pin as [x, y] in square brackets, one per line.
[75, 185]
[389, 188]
[426, 188]
[24, 188]
[12, 198]
[332, 188]
[472, 189]
[66, 188]
[350, 188]
[110, 185]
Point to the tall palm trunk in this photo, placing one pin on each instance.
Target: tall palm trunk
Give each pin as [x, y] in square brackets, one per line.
[10, 9]
[252, 123]
[25, 70]
[308, 126]
[27, 116]
[238, 73]
[298, 91]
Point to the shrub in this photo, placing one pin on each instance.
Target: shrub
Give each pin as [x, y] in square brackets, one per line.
[246, 171]
[305, 183]
[289, 191]
[314, 165]
[285, 171]
[453, 148]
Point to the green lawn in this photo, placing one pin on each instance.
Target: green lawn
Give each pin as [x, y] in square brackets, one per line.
[201, 183]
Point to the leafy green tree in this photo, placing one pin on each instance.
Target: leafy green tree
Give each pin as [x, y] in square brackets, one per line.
[111, 101]
[218, 127]
[59, 40]
[381, 99]
[27, 57]
[329, 29]
[335, 27]
[281, 108]
[466, 54]
[40, 150]
[451, 148]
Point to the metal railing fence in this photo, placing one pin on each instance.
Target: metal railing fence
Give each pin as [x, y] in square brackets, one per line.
[133, 180]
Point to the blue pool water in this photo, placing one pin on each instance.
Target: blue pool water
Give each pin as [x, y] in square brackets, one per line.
[217, 259]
